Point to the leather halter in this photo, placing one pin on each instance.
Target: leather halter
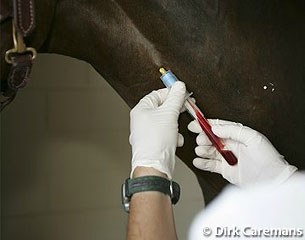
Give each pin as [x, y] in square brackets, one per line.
[20, 57]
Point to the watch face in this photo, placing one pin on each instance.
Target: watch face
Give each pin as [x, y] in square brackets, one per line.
[125, 200]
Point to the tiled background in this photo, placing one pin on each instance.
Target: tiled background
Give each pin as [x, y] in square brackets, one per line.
[64, 155]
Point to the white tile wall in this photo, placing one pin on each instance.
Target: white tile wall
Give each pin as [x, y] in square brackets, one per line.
[65, 154]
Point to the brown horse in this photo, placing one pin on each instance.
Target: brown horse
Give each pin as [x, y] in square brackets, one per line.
[243, 59]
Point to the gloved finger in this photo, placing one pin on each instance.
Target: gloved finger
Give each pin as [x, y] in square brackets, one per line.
[220, 121]
[176, 96]
[206, 151]
[211, 165]
[194, 127]
[180, 140]
[202, 139]
[153, 99]
[183, 109]
[236, 132]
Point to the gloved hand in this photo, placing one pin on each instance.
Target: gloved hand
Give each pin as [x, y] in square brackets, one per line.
[258, 160]
[154, 129]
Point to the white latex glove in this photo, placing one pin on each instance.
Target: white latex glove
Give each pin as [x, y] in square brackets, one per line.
[154, 129]
[258, 160]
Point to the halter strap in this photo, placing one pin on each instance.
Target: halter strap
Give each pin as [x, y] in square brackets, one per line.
[20, 57]
[24, 17]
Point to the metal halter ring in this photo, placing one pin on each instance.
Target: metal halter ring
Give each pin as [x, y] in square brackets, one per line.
[19, 46]
[13, 50]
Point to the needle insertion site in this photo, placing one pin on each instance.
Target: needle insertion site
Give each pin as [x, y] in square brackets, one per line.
[168, 79]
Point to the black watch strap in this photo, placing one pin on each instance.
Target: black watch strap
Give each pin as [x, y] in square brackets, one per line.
[149, 183]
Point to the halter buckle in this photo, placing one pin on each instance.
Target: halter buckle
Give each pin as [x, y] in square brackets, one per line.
[19, 46]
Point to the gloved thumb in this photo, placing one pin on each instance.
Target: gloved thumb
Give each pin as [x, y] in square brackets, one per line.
[176, 96]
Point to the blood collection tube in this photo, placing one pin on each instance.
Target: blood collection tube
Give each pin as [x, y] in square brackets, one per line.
[168, 79]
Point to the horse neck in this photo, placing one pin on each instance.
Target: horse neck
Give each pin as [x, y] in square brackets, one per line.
[102, 34]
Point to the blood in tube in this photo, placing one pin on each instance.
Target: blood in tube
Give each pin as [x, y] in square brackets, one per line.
[216, 141]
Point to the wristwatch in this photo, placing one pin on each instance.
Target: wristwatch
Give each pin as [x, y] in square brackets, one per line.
[149, 183]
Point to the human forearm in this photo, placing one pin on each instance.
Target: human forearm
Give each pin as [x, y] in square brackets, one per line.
[151, 213]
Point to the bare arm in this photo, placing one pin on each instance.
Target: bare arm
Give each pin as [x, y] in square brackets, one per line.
[151, 213]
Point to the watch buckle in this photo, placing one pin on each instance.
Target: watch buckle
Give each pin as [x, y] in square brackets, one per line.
[125, 200]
